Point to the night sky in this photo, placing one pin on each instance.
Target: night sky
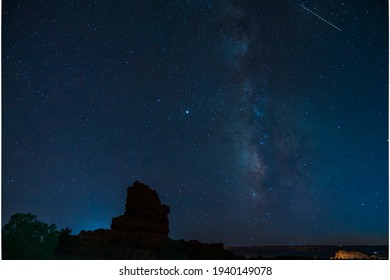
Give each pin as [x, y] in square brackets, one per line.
[257, 122]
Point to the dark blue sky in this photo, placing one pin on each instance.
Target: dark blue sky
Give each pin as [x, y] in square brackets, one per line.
[257, 122]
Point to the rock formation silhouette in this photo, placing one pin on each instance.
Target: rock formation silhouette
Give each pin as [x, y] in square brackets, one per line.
[140, 233]
[145, 218]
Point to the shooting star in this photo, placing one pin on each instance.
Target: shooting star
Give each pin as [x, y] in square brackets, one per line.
[331, 24]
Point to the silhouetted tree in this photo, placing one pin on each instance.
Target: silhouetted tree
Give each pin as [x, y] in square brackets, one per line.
[24, 237]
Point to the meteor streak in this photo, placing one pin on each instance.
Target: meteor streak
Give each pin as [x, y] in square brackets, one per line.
[331, 24]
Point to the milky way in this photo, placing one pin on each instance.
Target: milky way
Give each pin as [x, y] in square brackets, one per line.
[271, 150]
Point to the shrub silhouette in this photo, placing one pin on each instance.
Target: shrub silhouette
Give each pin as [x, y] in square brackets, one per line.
[26, 238]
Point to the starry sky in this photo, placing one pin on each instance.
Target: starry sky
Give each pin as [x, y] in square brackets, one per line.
[257, 122]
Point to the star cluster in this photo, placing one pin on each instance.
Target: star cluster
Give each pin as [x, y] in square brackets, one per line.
[255, 121]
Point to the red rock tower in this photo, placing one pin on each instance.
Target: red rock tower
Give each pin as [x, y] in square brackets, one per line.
[145, 218]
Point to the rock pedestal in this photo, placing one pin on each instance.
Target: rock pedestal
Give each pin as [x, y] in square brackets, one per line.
[145, 218]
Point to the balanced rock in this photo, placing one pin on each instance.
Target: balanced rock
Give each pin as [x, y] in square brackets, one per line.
[145, 218]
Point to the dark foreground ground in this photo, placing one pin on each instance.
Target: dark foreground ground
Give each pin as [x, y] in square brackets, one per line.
[108, 244]
[311, 252]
